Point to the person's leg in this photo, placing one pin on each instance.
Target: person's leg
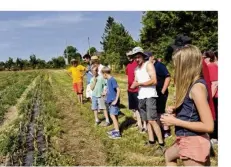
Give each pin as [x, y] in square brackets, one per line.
[115, 122]
[171, 155]
[152, 117]
[102, 106]
[139, 122]
[190, 162]
[80, 92]
[95, 108]
[150, 134]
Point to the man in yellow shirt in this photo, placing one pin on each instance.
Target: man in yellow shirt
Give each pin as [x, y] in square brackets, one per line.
[77, 72]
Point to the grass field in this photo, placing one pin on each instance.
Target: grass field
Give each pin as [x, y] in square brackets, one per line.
[42, 124]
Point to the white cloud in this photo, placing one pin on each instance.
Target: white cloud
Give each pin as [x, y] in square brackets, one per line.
[48, 20]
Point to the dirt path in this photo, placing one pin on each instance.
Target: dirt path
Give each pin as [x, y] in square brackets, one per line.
[77, 140]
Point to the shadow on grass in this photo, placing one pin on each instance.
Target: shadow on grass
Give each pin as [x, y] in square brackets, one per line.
[122, 106]
[127, 123]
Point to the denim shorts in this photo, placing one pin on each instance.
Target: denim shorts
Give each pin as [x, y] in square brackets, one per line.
[113, 109]
[98, 103]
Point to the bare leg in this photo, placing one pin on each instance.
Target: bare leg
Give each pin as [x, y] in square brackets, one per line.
[81, 98]
[145, 125]
[115, 122]
[78, 98]
[171, 156]
[157, 131]
[190, 162]
[106, 115]
[139, 122]
[96, 115]
[150, 133]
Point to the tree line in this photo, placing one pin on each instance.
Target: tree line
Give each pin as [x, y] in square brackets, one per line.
[158, 31]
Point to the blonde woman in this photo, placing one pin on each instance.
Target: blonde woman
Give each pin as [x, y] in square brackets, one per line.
[193, 116]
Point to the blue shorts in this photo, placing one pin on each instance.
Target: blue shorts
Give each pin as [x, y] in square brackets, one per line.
[98, 103]
[114, 110]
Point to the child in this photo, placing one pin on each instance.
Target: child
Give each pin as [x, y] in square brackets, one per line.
[113, 101]
[193, 116]
[97, 85]
[77, 72]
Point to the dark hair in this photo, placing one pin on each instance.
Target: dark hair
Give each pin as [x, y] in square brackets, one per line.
[210, 55]
[87, 56]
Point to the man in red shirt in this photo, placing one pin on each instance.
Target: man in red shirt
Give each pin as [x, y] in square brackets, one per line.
[133, 93]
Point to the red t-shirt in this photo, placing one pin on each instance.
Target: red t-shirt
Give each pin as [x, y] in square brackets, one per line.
[213, 73]
[130, 72]
[205, 71]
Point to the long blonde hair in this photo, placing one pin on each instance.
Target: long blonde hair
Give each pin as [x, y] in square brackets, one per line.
[188, 69]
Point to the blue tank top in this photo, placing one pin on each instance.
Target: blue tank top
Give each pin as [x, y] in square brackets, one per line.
[188, 112]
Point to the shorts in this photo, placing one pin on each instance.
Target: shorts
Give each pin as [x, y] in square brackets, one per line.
[98, 103]
[88, 91]
[147, 108]
[113, 109]
[196, 148]
[133, 100]
[78, 87]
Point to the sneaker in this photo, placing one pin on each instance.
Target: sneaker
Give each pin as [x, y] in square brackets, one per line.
[110, 132]
[147, 144]
[106, 124]
[166, 135]
[97, 123]
[115, 135]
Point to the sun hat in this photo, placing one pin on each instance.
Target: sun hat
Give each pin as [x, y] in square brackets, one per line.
[94, 58]
[137, 50]
[73, 60]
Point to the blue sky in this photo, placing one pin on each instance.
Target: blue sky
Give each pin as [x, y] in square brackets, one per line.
[46, 33]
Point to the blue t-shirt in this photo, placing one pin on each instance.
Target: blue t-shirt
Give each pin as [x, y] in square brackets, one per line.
[161, 73]
[111, 90]
[89, 74]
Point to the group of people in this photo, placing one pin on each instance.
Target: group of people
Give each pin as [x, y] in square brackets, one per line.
[193, 115]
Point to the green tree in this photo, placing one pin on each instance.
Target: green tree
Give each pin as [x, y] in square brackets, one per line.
[33, 61]
[41, 64]
[2, 66]
[116, 42]
[20, 63]
[58, 62]
[9, 64]
[72, 53]
[92, 50]
[160, 28]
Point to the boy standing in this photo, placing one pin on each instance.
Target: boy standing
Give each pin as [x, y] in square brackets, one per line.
[97, 85]
[77, 72]
[87, 59]
[113, 101]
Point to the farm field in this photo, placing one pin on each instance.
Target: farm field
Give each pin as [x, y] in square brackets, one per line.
[42, 124]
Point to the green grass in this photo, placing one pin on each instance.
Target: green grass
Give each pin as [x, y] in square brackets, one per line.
[71, 135]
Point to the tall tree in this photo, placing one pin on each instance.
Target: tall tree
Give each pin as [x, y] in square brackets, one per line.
[116, 42]
[160, 28]
[72, 53]
[33, 61]
[92, 50]
[9, 64]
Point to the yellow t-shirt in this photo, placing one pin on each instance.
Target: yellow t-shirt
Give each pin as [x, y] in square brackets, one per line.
[77, 73]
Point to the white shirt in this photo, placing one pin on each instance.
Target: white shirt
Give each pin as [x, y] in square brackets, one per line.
[143, 76]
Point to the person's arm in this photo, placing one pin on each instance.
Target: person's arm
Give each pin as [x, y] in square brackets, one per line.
[199, 95]
[214, 87]
[117, 96]
[69, 72]
[167, 78]
[93, 83]
[166, 84]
